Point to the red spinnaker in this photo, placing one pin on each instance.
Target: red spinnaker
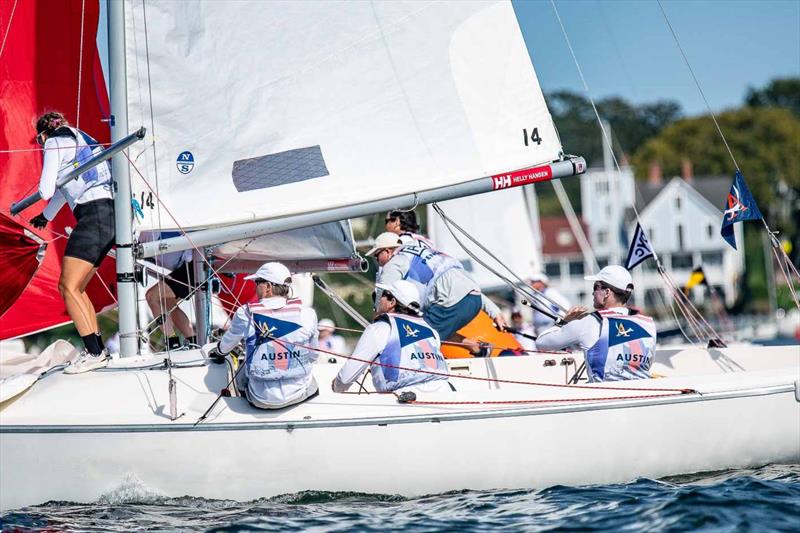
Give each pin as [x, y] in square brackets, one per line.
[38, 73]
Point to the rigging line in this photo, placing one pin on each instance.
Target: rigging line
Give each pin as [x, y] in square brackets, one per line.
[606, 137]
[8, 28]
[696, 82]
[80, 66]
[525, 289]
[43, 149]
[175, 220]
[374, 362]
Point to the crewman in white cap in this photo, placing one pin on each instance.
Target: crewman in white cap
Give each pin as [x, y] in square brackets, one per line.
[328, 339]
[278, 332]
[618, 341]
[556, 303]
[402, 342]
[449, 298]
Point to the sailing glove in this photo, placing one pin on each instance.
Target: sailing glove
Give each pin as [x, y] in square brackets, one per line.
[39, 221]
[216, 356]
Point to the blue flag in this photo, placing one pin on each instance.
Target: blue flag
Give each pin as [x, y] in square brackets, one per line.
[740, 206]
[640, 248]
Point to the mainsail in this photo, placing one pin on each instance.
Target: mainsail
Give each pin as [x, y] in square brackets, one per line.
[265, 110]
[39, 72]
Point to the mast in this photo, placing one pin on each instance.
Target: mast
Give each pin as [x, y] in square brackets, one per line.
[118, 93]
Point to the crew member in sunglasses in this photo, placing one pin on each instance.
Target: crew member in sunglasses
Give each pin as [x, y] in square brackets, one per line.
[619, 342]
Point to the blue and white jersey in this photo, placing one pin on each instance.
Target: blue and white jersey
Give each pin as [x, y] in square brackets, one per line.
[426, 266]
[413, 345]
[625, 349]
[275, 342]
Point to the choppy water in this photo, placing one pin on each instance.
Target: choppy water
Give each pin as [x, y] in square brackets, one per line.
[764, 499]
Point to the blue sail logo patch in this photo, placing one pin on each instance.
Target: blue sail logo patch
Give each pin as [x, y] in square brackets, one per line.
[620, 331]
[268, 328]
[410, 332]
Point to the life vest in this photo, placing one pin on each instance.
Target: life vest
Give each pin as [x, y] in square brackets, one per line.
[87, 147]
[414, 345]
[625, 349]
[426, 266]
[415, 239]
[272, 346]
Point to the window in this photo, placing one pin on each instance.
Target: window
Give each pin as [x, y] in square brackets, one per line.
[711, 258]
[682, 261]
[602, 262]
[653, 298]
[576, 268]
[553, 270]
[601, 186]
[651, 235]
[677, 203]
[602, 237]
[710, 231]
[680, 237]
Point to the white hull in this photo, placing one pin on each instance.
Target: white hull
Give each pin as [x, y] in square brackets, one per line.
[110, 425]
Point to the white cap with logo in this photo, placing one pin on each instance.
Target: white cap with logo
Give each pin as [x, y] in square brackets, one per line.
[273, 272]
[387, 239]
[614, 275]
[404, 292]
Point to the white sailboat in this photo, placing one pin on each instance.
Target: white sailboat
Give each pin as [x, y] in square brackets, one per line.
[368, 106]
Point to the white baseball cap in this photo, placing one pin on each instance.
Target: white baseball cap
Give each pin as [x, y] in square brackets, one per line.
[387, 239]
[404, 292]
[273, 272]
[539, 276]
[614, 275]
[326, 323]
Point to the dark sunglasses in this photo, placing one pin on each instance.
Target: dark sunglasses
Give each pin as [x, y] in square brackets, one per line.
[599, 287]
[259, 281]
[387, 294]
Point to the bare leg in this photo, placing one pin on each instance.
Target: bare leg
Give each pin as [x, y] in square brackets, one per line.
[87, 302]
[161, 297]
[75, 274]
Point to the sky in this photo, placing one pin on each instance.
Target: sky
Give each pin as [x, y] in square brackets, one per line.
[625, 47]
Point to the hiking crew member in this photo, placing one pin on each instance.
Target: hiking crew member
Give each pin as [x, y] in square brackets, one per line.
[398, 337]
[91, 200]
[618, 341]
[276, 330]
[450, 298]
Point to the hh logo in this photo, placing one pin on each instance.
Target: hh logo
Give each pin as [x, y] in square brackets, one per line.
[735, 205]
[622, 332]
[502, 182]
[410, 332]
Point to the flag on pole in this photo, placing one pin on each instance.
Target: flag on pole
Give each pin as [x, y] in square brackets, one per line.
[695, 278]
[640, 248]
[740, 206]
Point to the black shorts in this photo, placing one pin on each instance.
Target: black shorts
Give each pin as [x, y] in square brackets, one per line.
[93, 236]
[181, 280]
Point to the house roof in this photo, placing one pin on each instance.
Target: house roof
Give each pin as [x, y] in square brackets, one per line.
[713, 188]
[557, 236]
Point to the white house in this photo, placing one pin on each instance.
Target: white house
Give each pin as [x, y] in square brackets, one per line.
[682, 218]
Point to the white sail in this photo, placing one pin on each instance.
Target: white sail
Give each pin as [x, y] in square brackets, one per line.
[260, 110]
[501, 222]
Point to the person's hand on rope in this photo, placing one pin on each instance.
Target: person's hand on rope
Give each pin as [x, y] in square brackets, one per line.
[39, 221]
[577, 312]
[500, 322]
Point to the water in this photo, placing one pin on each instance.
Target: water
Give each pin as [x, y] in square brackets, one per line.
[764, 499]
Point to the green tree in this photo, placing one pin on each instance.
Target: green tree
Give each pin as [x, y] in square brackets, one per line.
[781, 92]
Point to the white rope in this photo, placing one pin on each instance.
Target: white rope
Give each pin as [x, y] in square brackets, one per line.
[8, 28]
[80, 66]
[685, 306]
